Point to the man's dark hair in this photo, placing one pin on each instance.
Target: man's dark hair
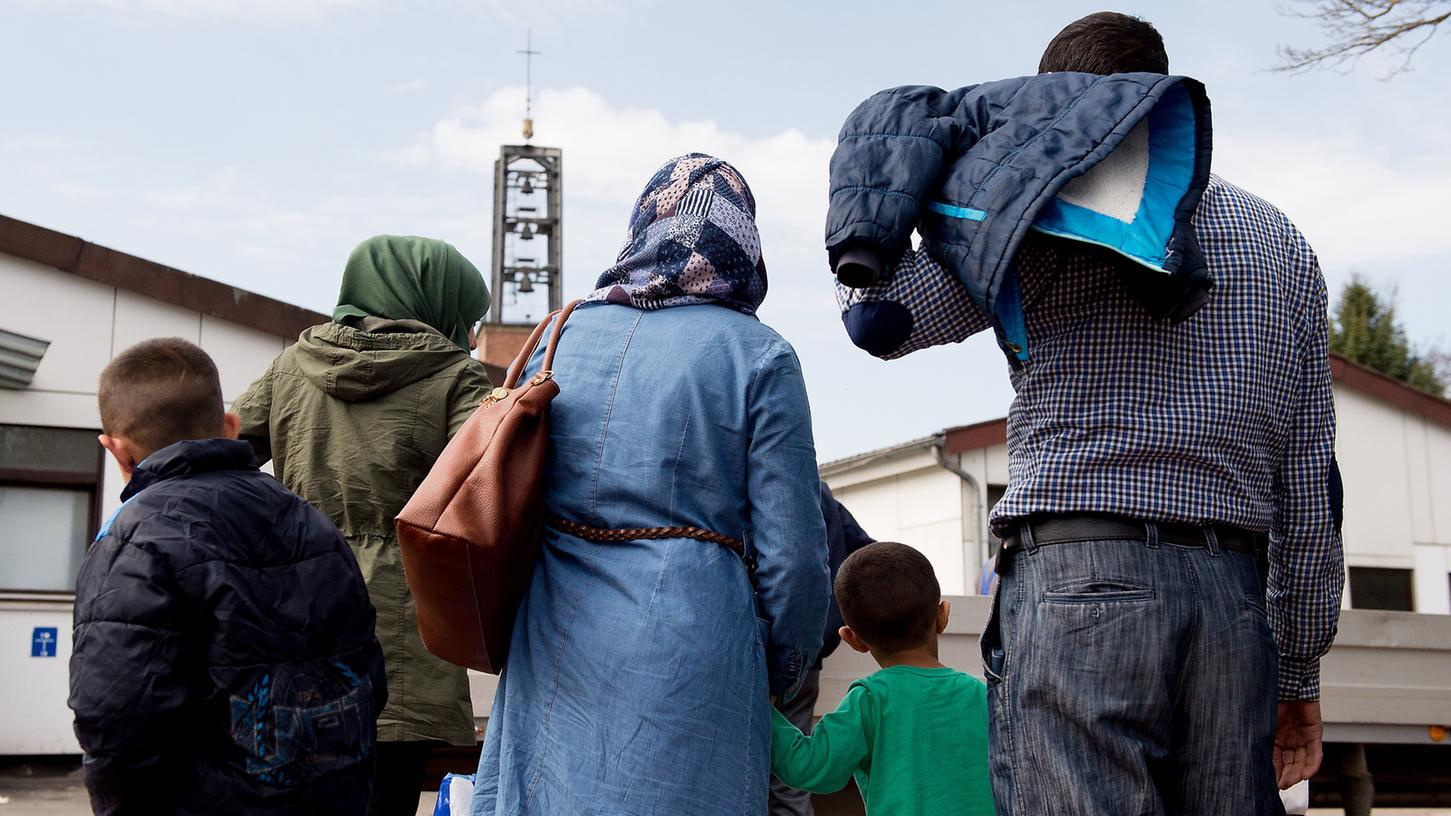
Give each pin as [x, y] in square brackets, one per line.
[888, 595]
[161, 391]
[1106, 43]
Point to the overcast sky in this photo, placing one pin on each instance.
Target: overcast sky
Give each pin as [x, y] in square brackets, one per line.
[255, 142]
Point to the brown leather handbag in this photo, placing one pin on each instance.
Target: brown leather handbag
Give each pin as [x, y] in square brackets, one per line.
[471, 533]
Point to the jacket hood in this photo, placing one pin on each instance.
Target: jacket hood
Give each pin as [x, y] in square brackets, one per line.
[403, 277]
[356, 366]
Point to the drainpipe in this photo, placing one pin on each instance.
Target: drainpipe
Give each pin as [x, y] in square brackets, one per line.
[939, 449]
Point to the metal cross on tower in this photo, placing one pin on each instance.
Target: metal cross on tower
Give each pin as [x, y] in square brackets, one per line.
[529, 55]
[528, 246]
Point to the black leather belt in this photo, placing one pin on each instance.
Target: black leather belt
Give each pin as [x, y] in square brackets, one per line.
[1058, 529]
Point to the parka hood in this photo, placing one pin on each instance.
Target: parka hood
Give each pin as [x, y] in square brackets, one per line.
[356, 366]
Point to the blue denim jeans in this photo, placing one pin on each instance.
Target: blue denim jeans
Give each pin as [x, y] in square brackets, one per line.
[1128, 678]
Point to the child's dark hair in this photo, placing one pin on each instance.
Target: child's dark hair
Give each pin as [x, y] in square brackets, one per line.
[1106, 43]
[888, 595]
[161, 391]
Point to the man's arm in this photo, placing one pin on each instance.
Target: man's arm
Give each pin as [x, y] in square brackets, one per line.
[127, 689]
[1298, 731]
[917, 304]
[852, 532]
[788, 532]
[825, 761]
[255, 409]
[1306, 564]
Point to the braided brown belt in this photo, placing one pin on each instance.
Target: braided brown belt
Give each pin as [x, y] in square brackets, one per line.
[641, 533]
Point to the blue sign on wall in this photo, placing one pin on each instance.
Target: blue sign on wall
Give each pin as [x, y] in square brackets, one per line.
[42, 643]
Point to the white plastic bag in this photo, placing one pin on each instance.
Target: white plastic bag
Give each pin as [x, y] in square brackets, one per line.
[454, 795]
[1296, 797]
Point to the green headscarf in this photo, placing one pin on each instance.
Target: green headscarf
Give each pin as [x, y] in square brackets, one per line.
[402, 277]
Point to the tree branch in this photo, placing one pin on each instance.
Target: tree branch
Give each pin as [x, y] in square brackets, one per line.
[1358, 27]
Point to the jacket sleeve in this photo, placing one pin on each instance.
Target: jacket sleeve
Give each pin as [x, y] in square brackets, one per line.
[890, 155]
[255, 409]
[468, 391]
[825, 761]
[917, 304]
[1306, 560]
[788, 534]
[851, 532]
[128, 689]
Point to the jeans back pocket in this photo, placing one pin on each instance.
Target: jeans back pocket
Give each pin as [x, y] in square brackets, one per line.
[1099, 591]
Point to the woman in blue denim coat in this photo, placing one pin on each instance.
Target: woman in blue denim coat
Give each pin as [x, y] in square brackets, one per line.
[640, 673]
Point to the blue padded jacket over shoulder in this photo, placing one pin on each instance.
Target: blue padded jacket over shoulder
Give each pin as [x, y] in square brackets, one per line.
[1118, 161]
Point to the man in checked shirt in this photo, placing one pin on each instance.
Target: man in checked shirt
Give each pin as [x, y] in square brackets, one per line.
[1172, 553]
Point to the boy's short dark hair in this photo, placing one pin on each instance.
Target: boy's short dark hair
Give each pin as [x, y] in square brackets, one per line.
[1106, 43]
[161, 391]
[888, 594]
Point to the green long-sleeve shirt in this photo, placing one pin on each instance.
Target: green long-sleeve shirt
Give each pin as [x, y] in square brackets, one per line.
[914, 738]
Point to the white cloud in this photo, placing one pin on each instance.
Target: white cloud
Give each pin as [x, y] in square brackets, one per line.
[609, 152]
[1357, 204]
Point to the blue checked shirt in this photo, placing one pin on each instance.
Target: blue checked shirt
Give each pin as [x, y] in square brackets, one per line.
[1226, 418]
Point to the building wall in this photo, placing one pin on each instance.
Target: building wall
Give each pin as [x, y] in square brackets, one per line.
[909, 498]
[1395, 464]
[1397, 472]
[988, 468]
[88, 323]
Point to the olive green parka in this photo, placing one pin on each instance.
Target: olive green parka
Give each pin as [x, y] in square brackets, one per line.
[352, 421]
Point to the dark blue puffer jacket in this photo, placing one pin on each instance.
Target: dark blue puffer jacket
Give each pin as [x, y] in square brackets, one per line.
[224, 655]
[974, 169]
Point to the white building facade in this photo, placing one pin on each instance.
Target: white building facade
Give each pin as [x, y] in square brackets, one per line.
[71, 307]
[1393, 444]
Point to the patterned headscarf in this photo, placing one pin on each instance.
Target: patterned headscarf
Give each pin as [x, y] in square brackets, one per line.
[693, 239]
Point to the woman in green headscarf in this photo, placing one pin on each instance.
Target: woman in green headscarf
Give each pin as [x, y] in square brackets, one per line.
[352, 416]
[393, 277]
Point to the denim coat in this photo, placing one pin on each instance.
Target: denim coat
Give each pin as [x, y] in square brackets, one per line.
[639, 674]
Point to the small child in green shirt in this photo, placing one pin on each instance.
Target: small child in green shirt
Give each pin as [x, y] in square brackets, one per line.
[914, 734]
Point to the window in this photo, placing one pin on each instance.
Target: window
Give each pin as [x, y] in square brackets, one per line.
[1381, 588]
[50, 481]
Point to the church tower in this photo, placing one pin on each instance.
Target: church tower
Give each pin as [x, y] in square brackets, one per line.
[528, 238]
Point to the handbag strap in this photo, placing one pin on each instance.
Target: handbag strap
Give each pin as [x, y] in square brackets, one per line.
[516, 368]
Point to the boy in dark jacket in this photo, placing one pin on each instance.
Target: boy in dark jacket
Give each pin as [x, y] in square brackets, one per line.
[224, 657]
